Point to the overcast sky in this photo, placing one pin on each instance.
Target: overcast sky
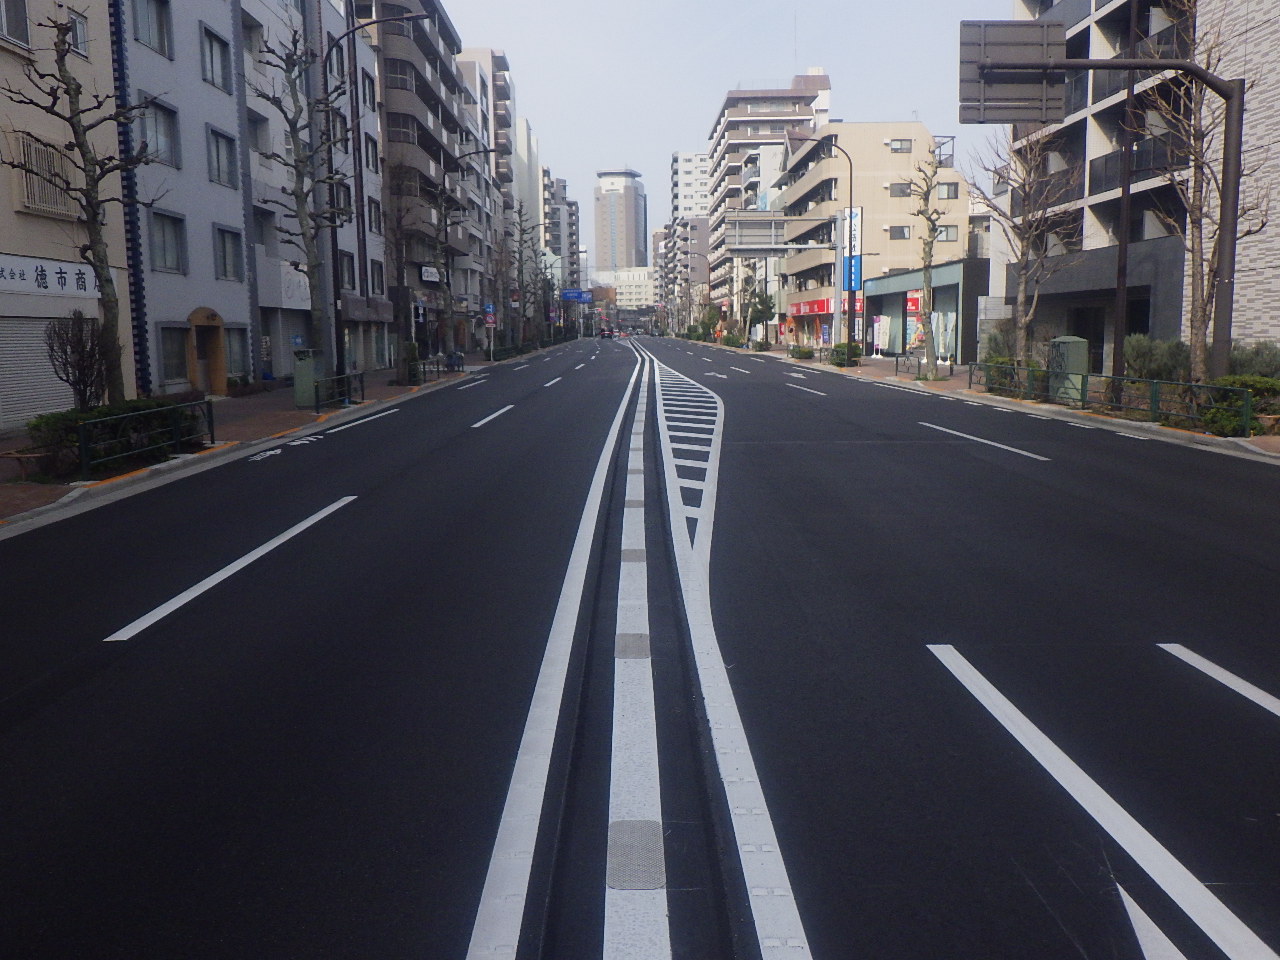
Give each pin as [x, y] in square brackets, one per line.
[608, 84]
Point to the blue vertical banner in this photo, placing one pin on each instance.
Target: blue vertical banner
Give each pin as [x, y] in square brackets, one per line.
[853, 273]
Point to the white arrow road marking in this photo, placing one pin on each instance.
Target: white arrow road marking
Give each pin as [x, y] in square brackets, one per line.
[492, 416]
[1209, 913]
[1151, 939]
[208, 583]
[1243, 687]
[795, 386]
[792, 373]
[356, 423]
[990, 443]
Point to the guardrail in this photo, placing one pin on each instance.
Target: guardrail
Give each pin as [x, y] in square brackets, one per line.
[339, 391]
[1225, 411]
[167, 428]
[904, 362]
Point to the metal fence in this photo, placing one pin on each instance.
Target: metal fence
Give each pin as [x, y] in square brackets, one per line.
[1226, 411]
[166, 430]
[339, 391]
[914, 364]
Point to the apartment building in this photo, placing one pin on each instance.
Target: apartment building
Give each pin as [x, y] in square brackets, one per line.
[746, 155]
[883, 161]
[1100, 204]
[41, 274]
[621, 219]
[683, 251]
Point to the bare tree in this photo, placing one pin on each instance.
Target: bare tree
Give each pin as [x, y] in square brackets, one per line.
[81, 352]
[1185, 121]
[1026, 201]
[316, 198]
[87, 172]
[404, 225]
[924, 187]
[527, 273]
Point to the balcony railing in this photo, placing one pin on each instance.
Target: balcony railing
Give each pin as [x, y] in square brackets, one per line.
[1171, 43]
[1050, 190]
[1152, 157]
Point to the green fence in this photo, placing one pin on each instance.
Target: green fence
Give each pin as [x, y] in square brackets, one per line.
[1225, 411]
[144, 435]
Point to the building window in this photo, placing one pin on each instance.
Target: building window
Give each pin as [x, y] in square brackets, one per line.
[173, 353]
[948, 191]
[948, 233]
[368, 90]
[222, 159]
[341, 135]
[228, 254]
[168, 243]
[371, 152]
[79, 37]
[377, 278]
[237, 352]
[153, 26]
[900, 146]
[899, 233]
[259, 133]
[393, 10]
[45, 183]
[401, 128]
[160, 133]
[347, 269]
[375, 216]
[13, 20]
[215, 54]
[342, 201]
[398, 74]
[899, 189]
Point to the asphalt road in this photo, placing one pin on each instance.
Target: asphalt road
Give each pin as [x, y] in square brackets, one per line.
[652, 650]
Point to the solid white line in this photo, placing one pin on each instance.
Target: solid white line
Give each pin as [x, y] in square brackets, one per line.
[579, 366]
[1209, 913]
[553, 382]
[496, 933]
[493, 416]
[796, 386]
[473, 383]
[522, 366]
[1241, 686]
[1036, 416]
[1151, 939]
[356, 423]
[162, 611]
[990, 443]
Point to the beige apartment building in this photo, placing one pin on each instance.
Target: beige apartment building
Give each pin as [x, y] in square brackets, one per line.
[42, 276]
[886, 159]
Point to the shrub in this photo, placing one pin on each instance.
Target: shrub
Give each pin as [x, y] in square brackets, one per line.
[846, 354]
[1224, 418]
[1147, 359]
[1261, 359]
[59, 432]
[731, 340]
[759, 345]
[802, 353]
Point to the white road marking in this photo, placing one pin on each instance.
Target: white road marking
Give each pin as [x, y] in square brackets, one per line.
[356, 423]
[778, 926]
[711, 373]
[739, 369]
[974, 403]
[798, 376]
[1151, 939]
[705, 359]
[492, 416]
[186, 596]
[522, 366]
[757, 359]
[1132, 436]
[1081, 426]
[496, 932]
[796, 386]
[579, 366]
[1036, 416]
[474, 383]
[1209, 913]
[551, 383]
[1241, 686]
[265, 454]
[990, 443]
[635, 903]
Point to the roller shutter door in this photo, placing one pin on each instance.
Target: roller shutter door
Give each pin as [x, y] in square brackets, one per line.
[27, 384]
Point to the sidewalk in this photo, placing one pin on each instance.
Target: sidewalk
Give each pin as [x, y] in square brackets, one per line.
[236, 421]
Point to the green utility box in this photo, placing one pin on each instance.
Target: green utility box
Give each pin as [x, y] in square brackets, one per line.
[305, 362]
[1068, 369]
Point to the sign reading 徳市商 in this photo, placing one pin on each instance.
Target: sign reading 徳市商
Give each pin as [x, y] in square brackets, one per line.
[45, 277]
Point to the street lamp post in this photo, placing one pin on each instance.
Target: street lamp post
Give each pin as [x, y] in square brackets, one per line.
[847, 245]
[695, 253]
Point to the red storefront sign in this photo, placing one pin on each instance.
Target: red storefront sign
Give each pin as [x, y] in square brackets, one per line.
[806, 307]
[913, 301]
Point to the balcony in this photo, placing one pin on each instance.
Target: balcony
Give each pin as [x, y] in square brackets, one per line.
[1066, 12]
[1153, 157]
[1077, 90]
[1171, 43]
[1051, 190]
